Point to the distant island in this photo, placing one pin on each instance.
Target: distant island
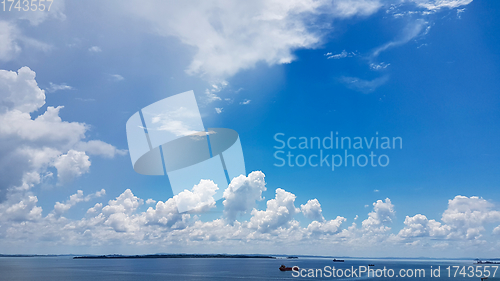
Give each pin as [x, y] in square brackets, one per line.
[176, 256]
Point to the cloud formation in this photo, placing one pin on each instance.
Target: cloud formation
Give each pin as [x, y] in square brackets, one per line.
[231, 36]
[33, 147]
[462, 225]
[363, 86]
[242, 194]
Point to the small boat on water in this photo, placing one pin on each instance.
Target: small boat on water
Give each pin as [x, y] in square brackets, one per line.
[285, 268]
[336, 260]
[478, 261]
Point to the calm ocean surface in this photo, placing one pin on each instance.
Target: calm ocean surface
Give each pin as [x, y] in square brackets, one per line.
[66, 268]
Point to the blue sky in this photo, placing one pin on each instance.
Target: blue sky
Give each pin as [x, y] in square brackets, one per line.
[425, 71]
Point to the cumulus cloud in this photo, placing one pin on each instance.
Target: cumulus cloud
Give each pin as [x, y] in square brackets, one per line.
[465, 218]
[312, 210]
[496, 230]
[166, 214]
[32, 146]
[242, 193]
[126, 203]
[279, 212]
[71, 165]
[199, 199]
[19, 91]
[420, 226]
[468, 215]
[97, 208]
[162, 226]
[60, 208]
[326, 227]
[382, 215]
[26, 209]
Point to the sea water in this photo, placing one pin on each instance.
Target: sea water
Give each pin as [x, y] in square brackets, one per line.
[183, 269]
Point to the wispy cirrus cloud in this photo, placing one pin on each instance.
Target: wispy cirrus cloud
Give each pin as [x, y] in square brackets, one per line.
[412, 30]
[343, 54]
[364, 86]
[57, 87]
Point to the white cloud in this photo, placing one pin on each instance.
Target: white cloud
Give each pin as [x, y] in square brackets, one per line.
[39, 16]
[71, 165]
[242, 193]
[434, 5]
[97, 147]
[57, 87]
[11, 35]
[464, 218]
[326, 227]
[8, 44]
[382, 215]
[117, 77]
[60, 208]
[245, 102]
[33, 145]
[312, 210]
[95, 49]
[25, 209]
[126, 203]
[348, 8]
[343, 54]
[364, 86]
[218, 110]
[180, 122]
[379, 66]
[162, 227]
[467, 216]
[150, 201]
[199, 199]
[166, 214]
[211, 93]
[97, 208]
[420, 226]
[412, 30]
[233, 36]
[19, 91]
